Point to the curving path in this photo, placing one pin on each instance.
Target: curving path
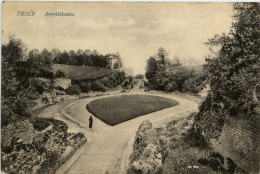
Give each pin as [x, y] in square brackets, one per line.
[108, 147]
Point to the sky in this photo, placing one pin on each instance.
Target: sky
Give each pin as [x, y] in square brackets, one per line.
[134, 30]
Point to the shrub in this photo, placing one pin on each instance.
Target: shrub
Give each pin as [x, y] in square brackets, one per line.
[210, 120]
[170, 87]
[39, 85]
[45, 73]
[195, 139]
[74, 89]
[50, 162]
[39, 124]
[85, 86]
[98, 86]
[139, 76]
[59, 74]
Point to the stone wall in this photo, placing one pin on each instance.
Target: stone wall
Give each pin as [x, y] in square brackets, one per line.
[239, 141]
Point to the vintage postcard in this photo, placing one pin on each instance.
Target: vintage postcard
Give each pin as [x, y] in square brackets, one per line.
[130, 88]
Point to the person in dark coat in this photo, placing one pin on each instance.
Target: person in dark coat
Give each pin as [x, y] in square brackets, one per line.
[90, 122]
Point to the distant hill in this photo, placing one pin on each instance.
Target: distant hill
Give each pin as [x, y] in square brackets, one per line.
[81, 72]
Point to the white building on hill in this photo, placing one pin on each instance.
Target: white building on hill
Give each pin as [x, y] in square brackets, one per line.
[112, 60]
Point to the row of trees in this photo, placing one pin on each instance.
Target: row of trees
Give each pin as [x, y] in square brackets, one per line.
[80, 57]
[164, 75]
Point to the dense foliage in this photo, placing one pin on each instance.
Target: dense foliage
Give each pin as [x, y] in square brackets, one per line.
[74, 89]
[13, 106]
[101, 84]
[18, 83]
[233, 72]
[166, 76]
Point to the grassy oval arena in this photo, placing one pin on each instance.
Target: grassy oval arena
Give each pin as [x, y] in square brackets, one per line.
[117, 109]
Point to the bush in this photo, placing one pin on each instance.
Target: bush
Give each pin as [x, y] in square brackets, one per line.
[139, 76]
[39, 124]
[170, 87]
[45, 73]
[210, 119]
[195, 139]
[85, 86]
[40, 86]
[59, 74]
[195, 84]
[98, 86]
[74, 89]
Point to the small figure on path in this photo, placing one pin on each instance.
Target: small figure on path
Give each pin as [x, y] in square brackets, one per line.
[90, 122]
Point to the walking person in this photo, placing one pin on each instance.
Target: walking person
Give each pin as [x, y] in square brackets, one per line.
[90, 122]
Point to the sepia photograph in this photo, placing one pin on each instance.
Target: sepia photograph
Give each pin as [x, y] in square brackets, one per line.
[130, 87]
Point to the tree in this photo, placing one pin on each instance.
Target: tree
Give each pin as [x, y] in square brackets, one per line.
[237, 62]
[151, 68]
[13, 107]
[233, 72]
[162, 55]
[79, 52]
[35, 53]
[46, 58]
[87, 52]
[72, 53]
[79, 57]
[95, 53]
[55, 53]
[34, 58]
[72, 57]
[64, 58]
[13, 51]
[87, 57]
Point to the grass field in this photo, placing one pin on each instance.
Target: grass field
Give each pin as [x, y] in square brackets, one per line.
[81, 72]
[115, 110]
